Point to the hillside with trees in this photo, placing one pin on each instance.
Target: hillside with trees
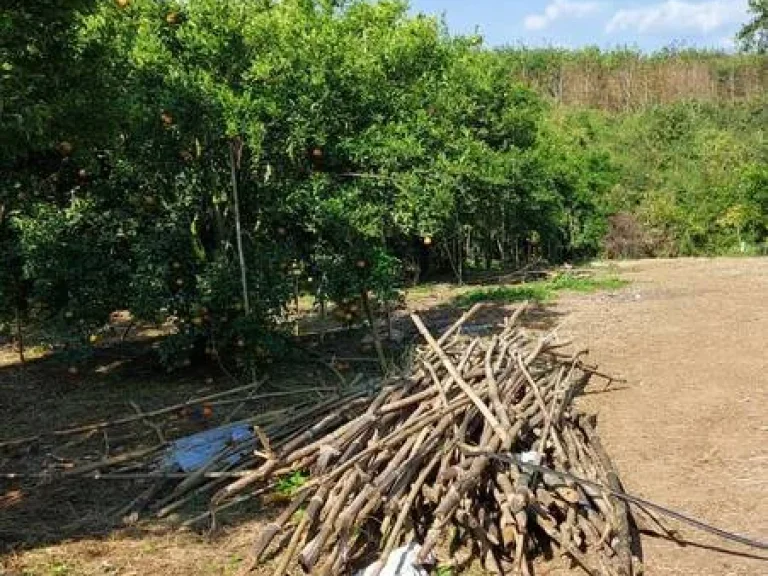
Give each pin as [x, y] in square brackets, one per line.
[206, 160]
[625, 80]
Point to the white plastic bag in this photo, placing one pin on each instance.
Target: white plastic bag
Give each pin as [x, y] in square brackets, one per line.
[401, 563]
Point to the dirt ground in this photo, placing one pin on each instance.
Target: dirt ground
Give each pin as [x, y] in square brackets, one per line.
[689, 429]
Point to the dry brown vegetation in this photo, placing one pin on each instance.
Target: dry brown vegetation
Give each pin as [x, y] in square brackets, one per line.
[626, 80]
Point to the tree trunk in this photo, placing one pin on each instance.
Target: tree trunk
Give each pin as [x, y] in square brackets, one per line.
[460, 256]
[20, 336]
[374, 332]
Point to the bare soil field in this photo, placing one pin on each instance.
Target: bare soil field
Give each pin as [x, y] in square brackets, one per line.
[689, 429]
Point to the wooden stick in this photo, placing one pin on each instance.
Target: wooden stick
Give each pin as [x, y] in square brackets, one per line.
[620, 506]
[374, 332]
[484, 410]
[114, 461]
[405, 508]
[135, 418]
[155, 427]
[138, 504]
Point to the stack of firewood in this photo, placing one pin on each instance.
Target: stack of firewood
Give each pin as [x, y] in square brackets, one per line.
[474, 455]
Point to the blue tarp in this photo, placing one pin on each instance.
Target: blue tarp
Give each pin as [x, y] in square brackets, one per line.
[193, 452]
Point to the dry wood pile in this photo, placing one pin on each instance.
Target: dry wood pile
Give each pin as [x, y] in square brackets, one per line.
[419, 463]
[143, 447]
[465, 452]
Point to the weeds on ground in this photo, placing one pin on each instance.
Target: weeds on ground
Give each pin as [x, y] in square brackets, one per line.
[60, 569]
[542, 291]
[503, 294]
[586, 285]
[289, 485]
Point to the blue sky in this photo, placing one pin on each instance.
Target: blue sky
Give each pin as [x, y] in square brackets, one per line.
[646, 24]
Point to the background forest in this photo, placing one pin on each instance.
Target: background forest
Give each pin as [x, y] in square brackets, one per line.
[203, 161]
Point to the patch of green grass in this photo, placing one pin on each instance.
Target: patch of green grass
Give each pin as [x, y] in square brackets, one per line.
[289, 485]
[585, 285]
[542, 291]
[233, 564]
[60, 569]
[534, 291]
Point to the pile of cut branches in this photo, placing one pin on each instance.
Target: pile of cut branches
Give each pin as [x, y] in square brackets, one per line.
[464, 451]
[477, 447]
[221, 433]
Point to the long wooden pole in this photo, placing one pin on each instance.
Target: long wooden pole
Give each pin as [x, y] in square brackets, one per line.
[235, 146]
[137, 417]
[235, 151]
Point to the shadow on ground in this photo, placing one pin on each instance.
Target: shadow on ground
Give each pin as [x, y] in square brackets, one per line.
[43, 396]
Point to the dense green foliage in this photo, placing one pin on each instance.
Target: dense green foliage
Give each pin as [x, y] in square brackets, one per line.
[693, 177]
[366, 147]
[754, 35]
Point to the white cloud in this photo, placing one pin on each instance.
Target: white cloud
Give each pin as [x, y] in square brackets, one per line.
[674, 15]
[558, 10]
